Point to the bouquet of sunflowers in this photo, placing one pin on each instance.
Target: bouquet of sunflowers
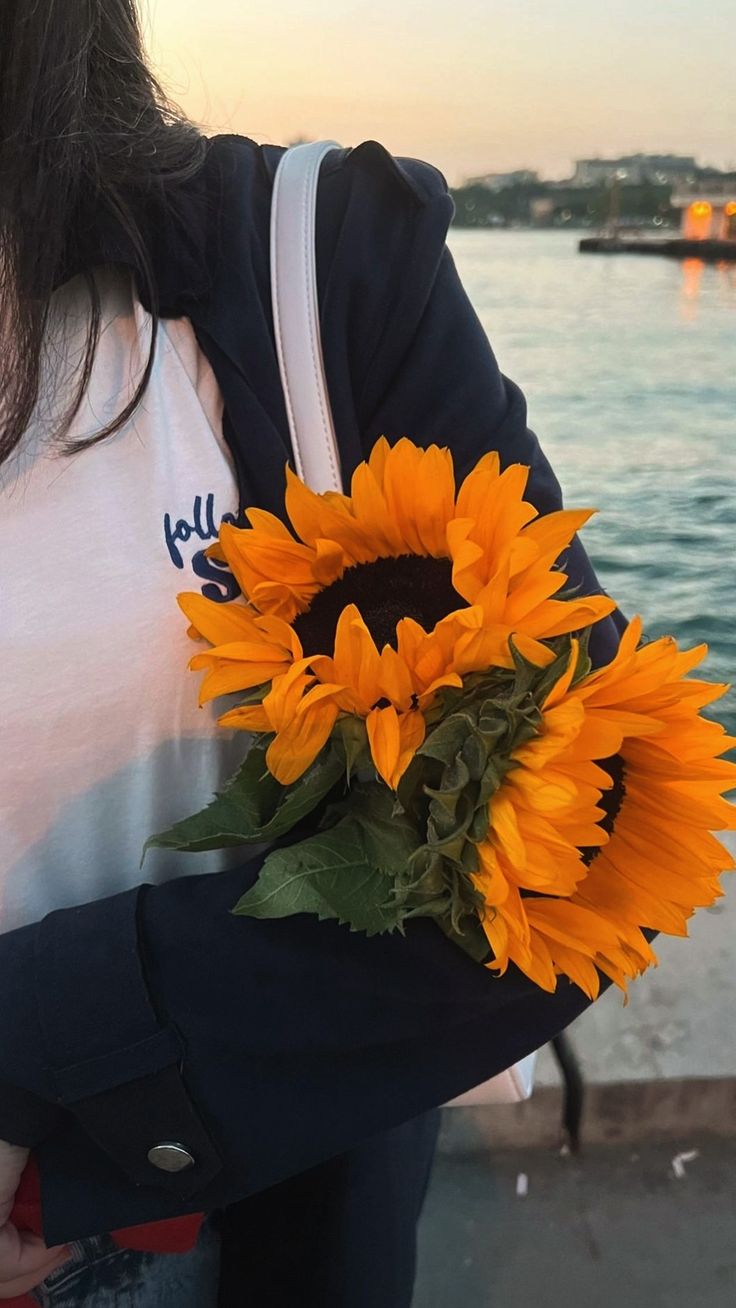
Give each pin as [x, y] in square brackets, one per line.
[410, 664]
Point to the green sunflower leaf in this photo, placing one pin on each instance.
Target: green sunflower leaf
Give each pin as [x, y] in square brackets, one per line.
[469, 935]
[584, 664]
[353, 737]
[527, 672]
[347, 873]
[447, 739]
[475, 755]
[252, 807]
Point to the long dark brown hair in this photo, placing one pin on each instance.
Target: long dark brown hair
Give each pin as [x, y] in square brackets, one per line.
[83, 124]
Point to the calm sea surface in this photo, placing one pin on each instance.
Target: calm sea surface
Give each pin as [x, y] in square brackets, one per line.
[628, 365]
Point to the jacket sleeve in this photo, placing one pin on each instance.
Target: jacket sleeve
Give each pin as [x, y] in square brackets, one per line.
[265, 1047]
[262, 1048]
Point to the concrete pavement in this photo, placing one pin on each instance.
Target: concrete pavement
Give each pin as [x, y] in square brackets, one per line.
[618, 1228]
[646, 1216]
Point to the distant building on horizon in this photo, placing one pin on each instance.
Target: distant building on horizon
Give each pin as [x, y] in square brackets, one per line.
[636, 169]
[502, 181]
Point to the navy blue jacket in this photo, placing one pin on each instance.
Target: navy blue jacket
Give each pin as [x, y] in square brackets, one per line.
[155, 1015]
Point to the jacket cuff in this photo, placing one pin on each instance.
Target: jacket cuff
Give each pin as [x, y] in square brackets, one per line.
[114, 1062]
[25, 1119]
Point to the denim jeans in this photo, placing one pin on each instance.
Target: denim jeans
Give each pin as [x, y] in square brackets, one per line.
[101, 1275]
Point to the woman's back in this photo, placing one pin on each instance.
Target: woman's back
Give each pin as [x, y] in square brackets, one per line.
[103, 740]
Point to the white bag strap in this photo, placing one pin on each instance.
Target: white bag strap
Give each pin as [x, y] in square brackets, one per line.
[296, 315]
[299, 349]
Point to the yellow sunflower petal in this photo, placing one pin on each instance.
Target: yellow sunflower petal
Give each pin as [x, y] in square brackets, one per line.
[226, 678]
[577, 966]
[469, 570]
[552, 532]
[563, 683]
[356, 661]
[526, 595]
[243, 651]
[263, 523]
[504, 513]
[435, 492]
[297, 744]
[286, 692]
[478, 486]
[394, 739]
[377, 459]
[329, 561]
[558, 617]
[572, 925]
[533, 650]
[489, 878]
[396, 680]
[249, 717]
[218, 623]
[535, 960]
[374, 516]
[421, 518]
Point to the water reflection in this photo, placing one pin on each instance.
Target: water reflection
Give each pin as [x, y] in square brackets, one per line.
[727, 280]
[692, 286]
[692, 278]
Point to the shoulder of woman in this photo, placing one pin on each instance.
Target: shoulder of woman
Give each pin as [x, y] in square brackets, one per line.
[369, 161]
[368, 198]
[381, 225]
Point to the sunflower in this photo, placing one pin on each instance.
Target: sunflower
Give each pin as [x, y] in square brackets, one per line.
[567, 894]
[376, 600]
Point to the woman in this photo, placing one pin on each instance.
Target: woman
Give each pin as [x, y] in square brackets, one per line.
[162, 1059]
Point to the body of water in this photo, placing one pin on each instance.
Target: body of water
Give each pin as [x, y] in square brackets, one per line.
[628, 364]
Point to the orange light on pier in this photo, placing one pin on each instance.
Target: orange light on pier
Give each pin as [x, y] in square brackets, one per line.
[698, 220]
[730, 209]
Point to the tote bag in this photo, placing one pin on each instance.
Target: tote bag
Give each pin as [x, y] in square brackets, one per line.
[314, 444]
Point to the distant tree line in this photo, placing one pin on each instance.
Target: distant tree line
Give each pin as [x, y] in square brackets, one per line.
[574, 206]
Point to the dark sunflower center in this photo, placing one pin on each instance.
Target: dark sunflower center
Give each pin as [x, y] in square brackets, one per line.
[410, 586]
[610, 800]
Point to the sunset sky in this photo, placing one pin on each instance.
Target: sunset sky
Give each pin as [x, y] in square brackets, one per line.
[471, 85]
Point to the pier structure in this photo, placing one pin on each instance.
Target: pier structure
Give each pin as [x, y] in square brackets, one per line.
[707, 227]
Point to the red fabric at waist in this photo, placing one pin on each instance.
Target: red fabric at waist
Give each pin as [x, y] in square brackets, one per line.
[176, 1235]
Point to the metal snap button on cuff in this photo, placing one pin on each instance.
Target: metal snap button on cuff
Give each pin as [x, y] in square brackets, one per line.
[170, 1157]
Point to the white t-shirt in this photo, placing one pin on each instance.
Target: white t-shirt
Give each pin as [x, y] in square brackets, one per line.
[102, 739]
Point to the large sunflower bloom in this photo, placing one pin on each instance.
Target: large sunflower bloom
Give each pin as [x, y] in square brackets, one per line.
[379, 598]
[660, 860]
